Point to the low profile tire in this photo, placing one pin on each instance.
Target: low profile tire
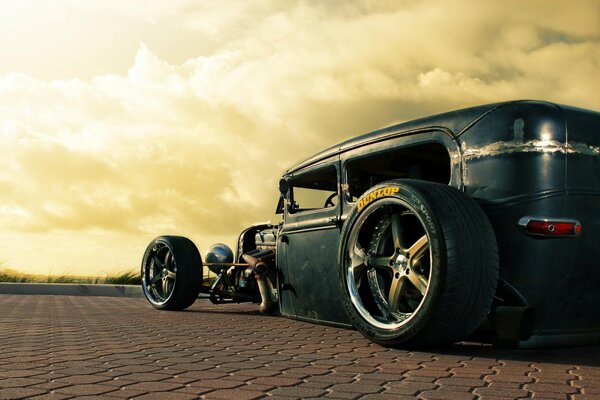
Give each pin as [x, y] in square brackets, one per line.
[418, 264]
[171, 273]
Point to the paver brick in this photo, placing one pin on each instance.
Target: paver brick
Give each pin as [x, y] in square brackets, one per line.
[509, 378]
[145, 376]
[357, 387]
[342, 395]
[380, 377]
[127, 369]
[256, 373]
[119, 382]
[595, 390]
[508, 385]
[548, 387]
[381, 396]
[506, 392]
[118, 348]
[19, 393]
[408, 387]
[295, 391]
[218, 384]
[85, 390]
[19, 373]
[317, 385]
[228, 394]
[166, 395]
[453, 381]
[548, 395]
[276, 381]
[429, 373]
[19, 382]
[203, 375]
[83, 379]
[444, 395]
[52, 396]
[194, 387]
[154, 386]
[428, 379]
[80, 371]
[50, 385]
[257, 388]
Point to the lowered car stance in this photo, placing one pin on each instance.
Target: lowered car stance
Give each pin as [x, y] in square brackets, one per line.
[476, 224]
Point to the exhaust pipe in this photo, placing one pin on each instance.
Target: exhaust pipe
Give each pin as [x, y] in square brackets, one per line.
[258, 263]
[513, 324]
[267, 306]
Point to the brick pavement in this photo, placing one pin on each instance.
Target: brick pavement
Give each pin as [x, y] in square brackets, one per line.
[60, 347]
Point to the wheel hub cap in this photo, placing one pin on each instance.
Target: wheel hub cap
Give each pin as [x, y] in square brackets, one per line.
[401, 263]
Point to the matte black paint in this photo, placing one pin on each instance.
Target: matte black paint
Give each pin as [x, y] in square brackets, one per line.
[516, 159]
[309, 265]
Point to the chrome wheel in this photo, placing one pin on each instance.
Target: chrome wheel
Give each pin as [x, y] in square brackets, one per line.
[389, 263]
[159, 273]
[418, 264]
[171, 273]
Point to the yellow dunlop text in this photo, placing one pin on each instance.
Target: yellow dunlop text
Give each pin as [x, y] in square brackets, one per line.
[384, 191]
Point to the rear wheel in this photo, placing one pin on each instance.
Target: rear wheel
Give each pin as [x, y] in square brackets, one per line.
[171, 273]
[418, 264]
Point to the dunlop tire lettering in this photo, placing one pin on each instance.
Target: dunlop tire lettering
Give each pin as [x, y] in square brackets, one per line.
[376, 194]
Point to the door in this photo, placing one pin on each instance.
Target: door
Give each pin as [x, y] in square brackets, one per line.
[309, 239]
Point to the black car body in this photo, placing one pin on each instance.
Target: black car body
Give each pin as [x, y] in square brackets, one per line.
[532, 167]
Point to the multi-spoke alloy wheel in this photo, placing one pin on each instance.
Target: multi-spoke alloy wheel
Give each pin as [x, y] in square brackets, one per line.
[171, 273]
[160, 272]
[418, 263]
[389, 269]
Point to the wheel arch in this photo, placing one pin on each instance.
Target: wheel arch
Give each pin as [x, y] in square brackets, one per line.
[432, 195]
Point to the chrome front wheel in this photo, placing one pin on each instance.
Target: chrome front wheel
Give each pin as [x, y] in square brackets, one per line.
[171, 273]
[159, 275]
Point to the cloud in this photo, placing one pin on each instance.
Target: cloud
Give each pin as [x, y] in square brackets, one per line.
[196, 147]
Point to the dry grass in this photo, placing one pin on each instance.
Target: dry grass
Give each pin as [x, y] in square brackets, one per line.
[131, 277]
[123, 278]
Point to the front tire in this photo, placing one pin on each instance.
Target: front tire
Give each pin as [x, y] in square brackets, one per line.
[418, 264]
[171, 273]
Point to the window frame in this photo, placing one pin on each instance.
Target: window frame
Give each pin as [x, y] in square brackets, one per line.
[315, 169]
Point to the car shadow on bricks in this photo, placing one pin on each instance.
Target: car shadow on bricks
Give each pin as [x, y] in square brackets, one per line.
[584, 355]
[227, 312]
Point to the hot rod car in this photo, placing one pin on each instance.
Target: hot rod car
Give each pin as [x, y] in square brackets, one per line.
[484, 220]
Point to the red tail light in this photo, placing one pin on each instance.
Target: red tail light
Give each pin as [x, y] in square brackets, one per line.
[550, 226]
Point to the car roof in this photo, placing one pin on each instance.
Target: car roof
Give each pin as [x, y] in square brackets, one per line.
[454, 122]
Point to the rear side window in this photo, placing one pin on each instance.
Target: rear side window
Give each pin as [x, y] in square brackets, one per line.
[428, 162]
[314, 190]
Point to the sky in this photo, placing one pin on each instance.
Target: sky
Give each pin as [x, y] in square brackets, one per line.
[122, 121]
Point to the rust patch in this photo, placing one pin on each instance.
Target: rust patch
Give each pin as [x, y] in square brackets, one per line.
[531, 146]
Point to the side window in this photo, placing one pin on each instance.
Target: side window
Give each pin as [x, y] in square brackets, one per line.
[428, 162]
[314, 190]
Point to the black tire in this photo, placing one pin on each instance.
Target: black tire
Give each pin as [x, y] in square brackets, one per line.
[439, 294]
[171, 273]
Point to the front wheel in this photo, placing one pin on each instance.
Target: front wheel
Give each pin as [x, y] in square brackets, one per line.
[171, 273]
[418, 264]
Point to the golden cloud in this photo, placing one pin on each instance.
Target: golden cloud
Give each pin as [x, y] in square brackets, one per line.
[197, 147]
